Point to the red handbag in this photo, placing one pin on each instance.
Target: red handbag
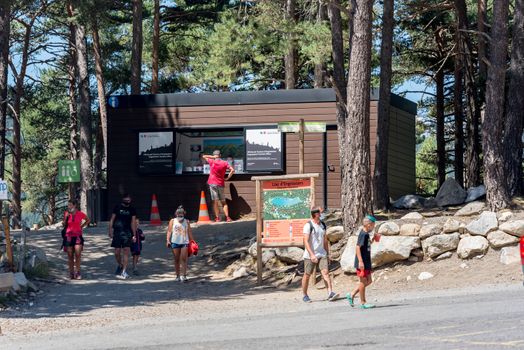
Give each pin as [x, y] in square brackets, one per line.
[192, 248]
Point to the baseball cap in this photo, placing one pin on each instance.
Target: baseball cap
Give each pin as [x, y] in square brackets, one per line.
[371, 218]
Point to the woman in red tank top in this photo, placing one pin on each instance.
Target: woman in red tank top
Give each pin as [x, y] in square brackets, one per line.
[74, 221]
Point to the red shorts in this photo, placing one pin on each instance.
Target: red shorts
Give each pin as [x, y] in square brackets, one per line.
[363, 273]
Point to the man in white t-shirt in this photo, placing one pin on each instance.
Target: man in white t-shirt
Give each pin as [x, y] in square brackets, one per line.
[316, 254]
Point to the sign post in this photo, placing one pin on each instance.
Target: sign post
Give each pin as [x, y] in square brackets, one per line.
[283, 208]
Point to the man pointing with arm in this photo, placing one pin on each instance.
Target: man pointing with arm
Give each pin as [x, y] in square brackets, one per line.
[216, 182]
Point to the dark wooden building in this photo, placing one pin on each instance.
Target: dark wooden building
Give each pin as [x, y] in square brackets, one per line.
[154, 143]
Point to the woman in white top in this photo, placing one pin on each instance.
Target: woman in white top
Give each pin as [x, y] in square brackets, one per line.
[178, 236]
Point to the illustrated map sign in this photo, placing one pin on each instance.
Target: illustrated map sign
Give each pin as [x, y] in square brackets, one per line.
[308, 127]
[286, 209]
[155, 152]
[4, 193]
[68, 171]
[284, 205]
[263, 149]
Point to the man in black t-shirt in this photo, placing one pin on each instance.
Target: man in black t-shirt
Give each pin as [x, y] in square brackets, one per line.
[122, 231]
[363, 261]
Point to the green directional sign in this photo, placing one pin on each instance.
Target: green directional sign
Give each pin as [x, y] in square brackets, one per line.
[308, 127]
[68, 171]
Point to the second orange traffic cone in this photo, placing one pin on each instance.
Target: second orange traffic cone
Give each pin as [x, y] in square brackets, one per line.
[155, 215]
[203, 214]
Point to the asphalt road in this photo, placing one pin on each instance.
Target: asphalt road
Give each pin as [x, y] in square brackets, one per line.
[482, 319]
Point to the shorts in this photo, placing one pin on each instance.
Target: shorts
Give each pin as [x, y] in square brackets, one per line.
[122, 240]
[178, 246]
[73, 241]
[217, 193]
[363, 273]
[309, 266]
[136, 248]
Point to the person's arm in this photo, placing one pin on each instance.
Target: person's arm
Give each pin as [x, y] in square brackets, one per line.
[66, 217]
[133, 228]
[207, 156]
[359, 257]
[308, 247]
[326, 246]
[190, 232]
[168, 234]
[113, 217]
[85, 222]
[231, 172]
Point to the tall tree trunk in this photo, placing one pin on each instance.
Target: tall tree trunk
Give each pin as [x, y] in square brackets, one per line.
[339, 82]
[497, 193]
[5, 29]
[17, 135]
[320, 67]
[440, 136]
[515, 105]
[291, 57]
[481, 29]
[84, 115]
[101, 152]
[156, 44]
[380, 181]
[72, 98]
[356, 177]
[458, 108]
[136, 54]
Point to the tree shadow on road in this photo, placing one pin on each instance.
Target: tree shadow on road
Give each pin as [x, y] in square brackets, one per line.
[156, 284]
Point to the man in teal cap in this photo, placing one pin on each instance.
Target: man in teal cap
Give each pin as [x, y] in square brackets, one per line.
[363, 261]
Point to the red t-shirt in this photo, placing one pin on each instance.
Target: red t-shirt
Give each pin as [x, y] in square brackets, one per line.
[74, 223]
[217, 171]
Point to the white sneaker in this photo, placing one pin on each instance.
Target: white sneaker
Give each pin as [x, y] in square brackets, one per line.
[178, 279]
[183, 279]
[123, 275]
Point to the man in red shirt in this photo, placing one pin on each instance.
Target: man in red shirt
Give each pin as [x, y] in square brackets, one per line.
[216, 182]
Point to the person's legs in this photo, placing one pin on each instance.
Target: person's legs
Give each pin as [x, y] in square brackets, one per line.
[327, 279]
[216, 210]
[362, 289]
[71, 261]
[176, 260]
[183, 261]
[226, 210]
[78, 257]
[305, 283]
[118, 256]
[135, 260]
[125, 258]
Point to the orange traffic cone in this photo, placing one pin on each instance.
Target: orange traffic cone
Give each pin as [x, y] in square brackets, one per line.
[155, 215]
[203, 214]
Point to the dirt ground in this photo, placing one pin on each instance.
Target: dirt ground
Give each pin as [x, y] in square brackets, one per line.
[102, 299]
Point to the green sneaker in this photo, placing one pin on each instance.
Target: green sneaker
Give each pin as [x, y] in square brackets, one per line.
[350, 299]
[367, 306]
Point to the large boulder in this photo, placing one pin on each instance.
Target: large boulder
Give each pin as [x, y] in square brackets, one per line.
[267, 254]
[21, 280]
[475, 193]
[410, 201]
[472, 208]
[290, 255]
[391, 249]
[510, 255]
[388, 250]
[333, 218]
[505, 216]
[514, 228]
[451, 225]
[429, 230]
[389, 228]
[472, 246]
[499, 239]
[438, 244]
[430, 203]
[347, 260]
[335, 233]
[486, 223]
[7, 281]
[450, 193]
[412, 216]
[409, 230]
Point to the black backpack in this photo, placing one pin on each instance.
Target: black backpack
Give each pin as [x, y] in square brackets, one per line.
[311, 229]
